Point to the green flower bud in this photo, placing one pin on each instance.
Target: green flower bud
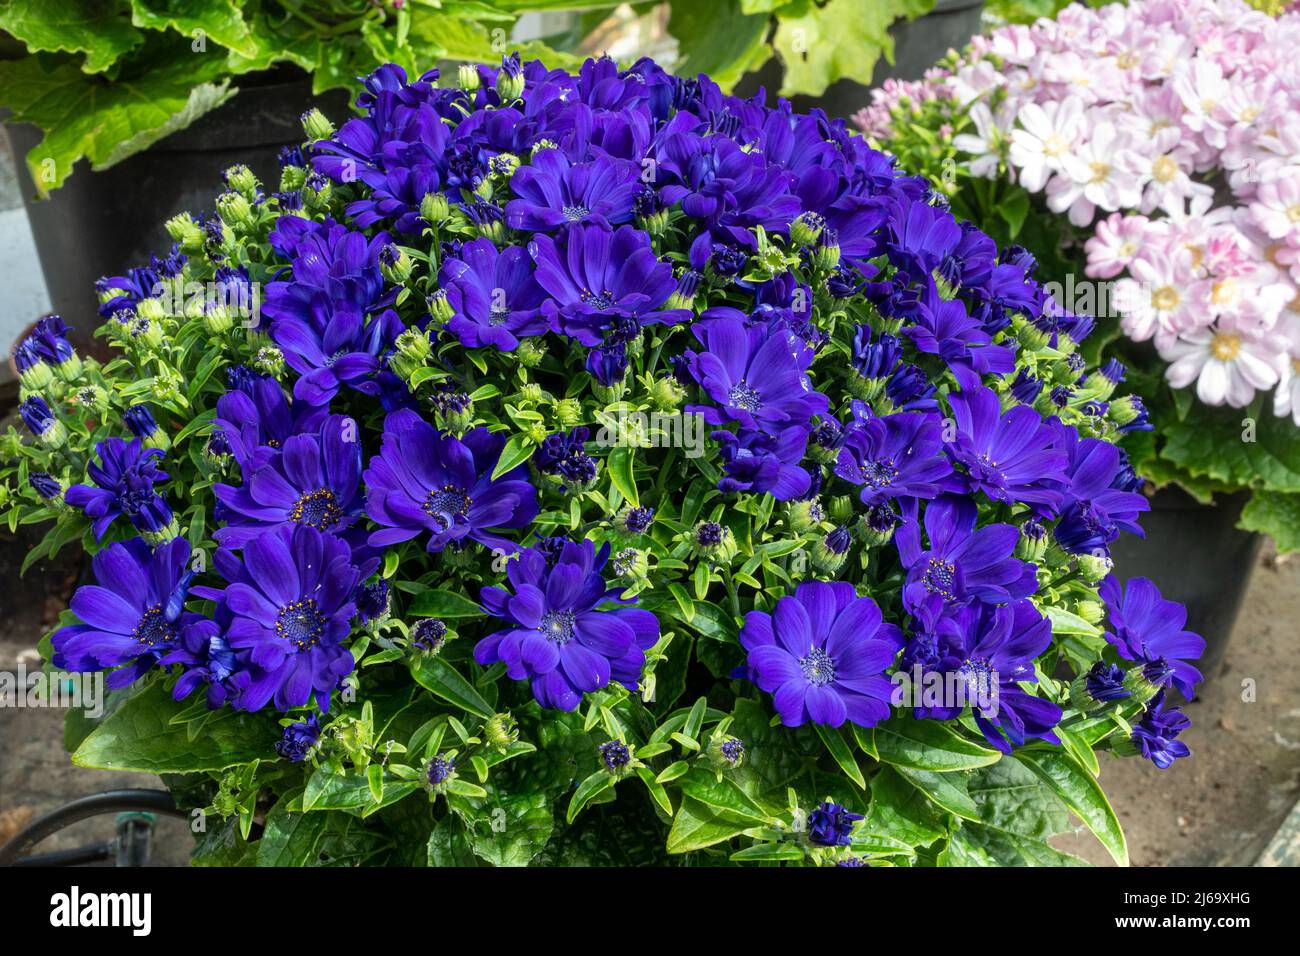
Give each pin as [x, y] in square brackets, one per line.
[1094, 612]
[726, 752]
[395, 264]
[1033, 541]
[510, 84]
[805, 515]
[713, 541]
[530, 352]
[806, 228]
[467, 77]
[153, 309]
[655, 224]
[568, 412]
[92, 398]
[631, 564]
[36, 377]
[162, 536]
[235, 211]
[241, 179]
[414, 344]
[269, 361]
[1029, 335]
[292, 178]
[841, 509]
[666, 394]
[831, 551]
[500, 731]
[316, 126]
[434, 208]
[504, 165]
[532, 393]
[1095, 567]
[217, 318]
[440, 310]
[536, 432]
[184, 230]
[542, 144]
[70, 369]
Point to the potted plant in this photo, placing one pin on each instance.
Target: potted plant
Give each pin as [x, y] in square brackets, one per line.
[1165, 217]
[511, 478]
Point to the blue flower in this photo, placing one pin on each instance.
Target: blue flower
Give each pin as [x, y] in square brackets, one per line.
[422, 480]
[831, 825]
[597, 277]
[299, 740]
[493, 295]
[552, 192]
[1155, 735]
[257, 418]
[565, 455]
[287, 611]
[896, 456]
[135, 614]
[822, 654]
[124, 485]
[755, 376]
[561, 637]
[1010, 456]
[760, 462]
[1144, 627]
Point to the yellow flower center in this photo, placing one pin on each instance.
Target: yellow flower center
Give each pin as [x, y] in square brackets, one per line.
[1223, 291]
[1054, 146]
[1164, 169]
[1293, 212]
[1100, 172]
[1225, 346]
[1165, 298]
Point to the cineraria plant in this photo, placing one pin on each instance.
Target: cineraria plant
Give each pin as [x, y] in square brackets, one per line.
[557, 452]
[1149, 154]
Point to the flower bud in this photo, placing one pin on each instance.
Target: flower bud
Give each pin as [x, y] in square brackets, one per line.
[530, 352]
[429, 635]
[805, 515]
[504, 165]
[241, 179]
[683, 296]
[831, 551]
[1095, 567]
[726, 752]
[269, 361]
[467, 77]
[631, 564]
[235, 211]
[510, 79]
[617, 758]
[47, 486]
[440, 310]
[713, 541]
[184, 230]
[1102, 685]
[806, 228]
[876, 527]
[316, 126]
[435, 209]
[1032, 543]
[395, 264]
[568, 412]
[500, 731]
[217, 318]
[140, 421]
[841, 509]
[827, 255]
[1028, 334]
[439, 772]
[1094, 612]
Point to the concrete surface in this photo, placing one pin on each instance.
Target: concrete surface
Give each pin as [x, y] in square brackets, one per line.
[23, 298]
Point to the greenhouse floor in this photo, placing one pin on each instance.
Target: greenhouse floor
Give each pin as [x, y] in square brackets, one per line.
[1222, 807]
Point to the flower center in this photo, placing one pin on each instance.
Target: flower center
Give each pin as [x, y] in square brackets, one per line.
[1164, 169]
[153, 628]
[1293, 212]
[1223, 291]
[446, 504]
[498, 317]
[317, 509]
[576, 213]
[598, 300]
[558, 626]
[818, 667]
[300, 623]
[1165, 298]
[978, 677]
[1225, 346]
[879, 473]
[744, 397]
[940, 577]
[133, 502]
[1054, 146]
[1128, 249]
[1100, 172]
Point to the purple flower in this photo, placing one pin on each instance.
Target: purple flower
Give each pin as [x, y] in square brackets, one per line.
[759, 462]
[299, 739]
[896, 456]
[565, 455]
[1093, 511]
[287, 611]
[919, 237]
[559, 637]
[493, 295]
[1155, 735]
[755, 375]
[597, 278]
[314, 480]
[552, 192]
[422, 480]
[991, 650]
[124, 485]
[832, 825]
[257, 418]
[1009, 456]
[962, 564]
[1144, 627]
[133, 616]
[821, 655]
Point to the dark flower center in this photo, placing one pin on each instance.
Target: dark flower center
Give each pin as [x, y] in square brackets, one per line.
[939, 577]
[978, 676]
[558, 626]
[133, 502]
[598, 300]
[300, 623]
[744, 396]
[576, 213]
[818, 667]
[498, 317]
[445, 504]
[317, 509]
[879, 473]
[153, 628]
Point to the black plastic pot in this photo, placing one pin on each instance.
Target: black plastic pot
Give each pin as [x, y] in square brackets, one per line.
[1197, 555]
[101, 223]
[918, 45]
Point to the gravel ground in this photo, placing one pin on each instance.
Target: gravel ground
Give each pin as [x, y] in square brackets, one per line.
[1220, 807]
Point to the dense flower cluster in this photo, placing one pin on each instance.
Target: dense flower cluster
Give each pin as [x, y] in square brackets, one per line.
[1170, 125]
[486, 304]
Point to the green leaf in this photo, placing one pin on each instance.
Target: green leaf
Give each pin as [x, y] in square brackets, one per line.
[945, 790]
[1276, 514]
[841, 39]
[725, 55]
[929, 745]
[1244, 447]
[839, 748]
[596, 784]
[83, 116]
[506, 829]
[723, 797]
[442, 680]
[291, 839]
[900, 812]
[517, 451]
[362, 794]
[434, 603]
[1080, 791]
[697, 826]
[217, 20]
[101, 29]
[1067, 623]
[140, 736]
[619, 463]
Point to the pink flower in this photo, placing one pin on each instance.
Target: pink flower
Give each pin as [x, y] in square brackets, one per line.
[1227, 366]
[1276, 208]
[1047, 135]
[1117, 240]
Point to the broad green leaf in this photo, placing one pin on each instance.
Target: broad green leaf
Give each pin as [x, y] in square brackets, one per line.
[840, 749]
[1067, 623]
[1080, 791]
[724, 54]
[723, 797]
[929, 745]
[946, 790]
[354, 792]
[697, 826]
[619, 464]
[506, 829]
[517, 451]
[434, 603]
[199, 20]
[140, 736]
[82, 116]
[1276, 514]
[900, 812]
[595, 784]
[101, 29]
[441, 679]
[1245, 447]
